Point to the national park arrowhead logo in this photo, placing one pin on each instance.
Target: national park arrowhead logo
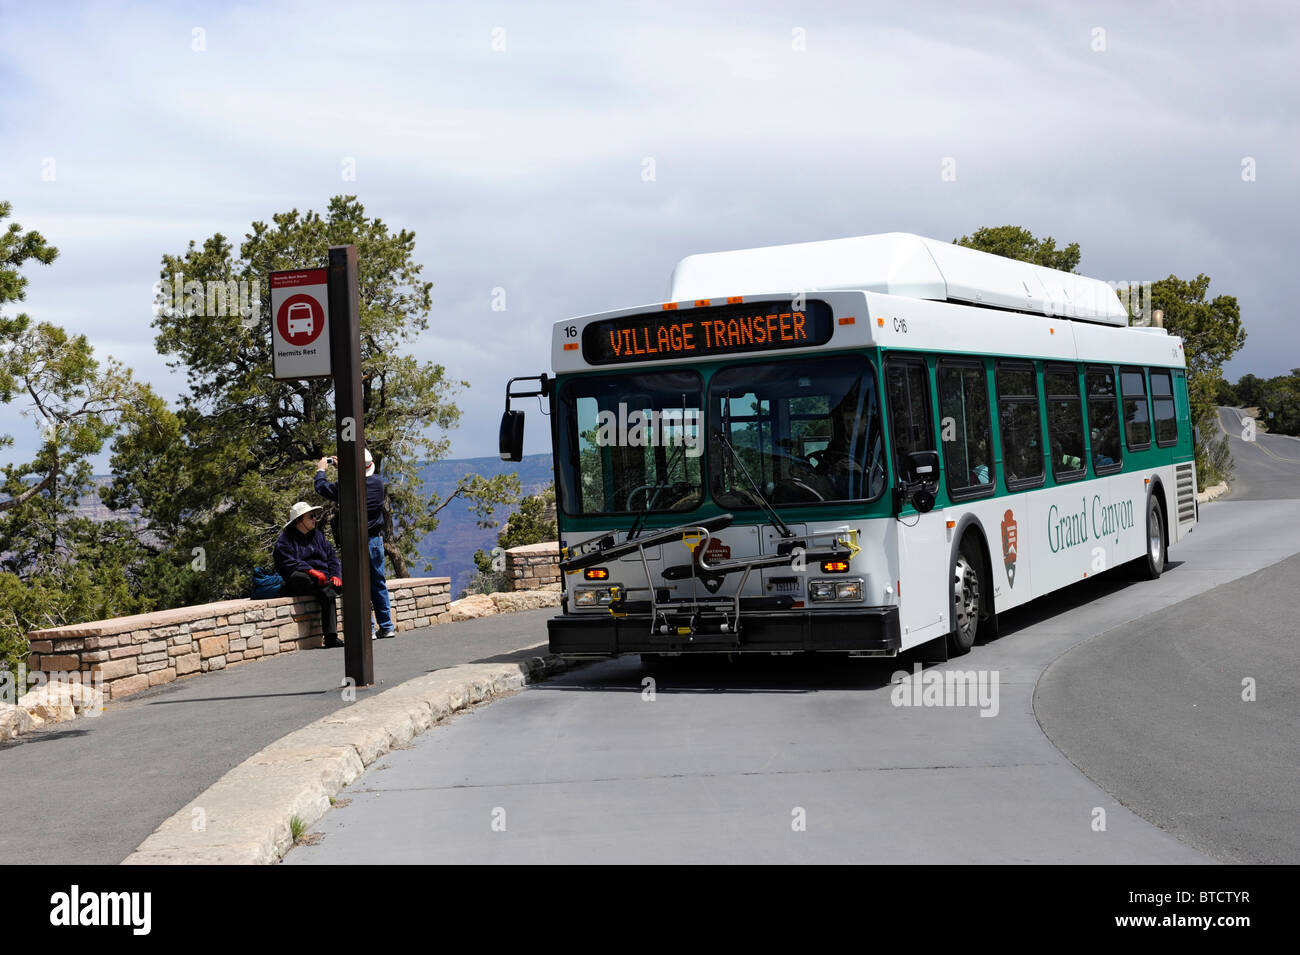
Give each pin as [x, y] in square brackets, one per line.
[1009, 545]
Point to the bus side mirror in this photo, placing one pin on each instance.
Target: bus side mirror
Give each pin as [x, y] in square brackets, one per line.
[922, 466]
[920, 471]
[511, 443]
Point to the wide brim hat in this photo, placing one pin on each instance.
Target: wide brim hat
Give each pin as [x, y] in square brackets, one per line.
[370, 463]
[298, 510]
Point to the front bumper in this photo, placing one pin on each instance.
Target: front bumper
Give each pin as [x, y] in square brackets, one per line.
[867, 630]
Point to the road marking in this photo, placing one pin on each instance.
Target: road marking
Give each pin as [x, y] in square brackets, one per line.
[1256, 443]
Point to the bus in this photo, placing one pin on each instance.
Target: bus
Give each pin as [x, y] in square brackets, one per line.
[858, 446]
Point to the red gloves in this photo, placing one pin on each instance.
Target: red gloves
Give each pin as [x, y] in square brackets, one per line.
[316, 575]
[336, 583]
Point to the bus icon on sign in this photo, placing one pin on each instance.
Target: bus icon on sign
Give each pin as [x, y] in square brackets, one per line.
[301, 321]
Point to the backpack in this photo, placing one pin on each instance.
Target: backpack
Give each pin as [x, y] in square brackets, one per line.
[266, 584]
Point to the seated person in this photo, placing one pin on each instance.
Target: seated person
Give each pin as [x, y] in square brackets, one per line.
[310, 567]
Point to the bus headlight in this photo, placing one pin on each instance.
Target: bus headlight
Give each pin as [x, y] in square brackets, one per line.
[592, 597]
[827, 590]
[821, 590]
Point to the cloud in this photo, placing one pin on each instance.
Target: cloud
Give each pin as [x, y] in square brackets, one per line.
[522, 168]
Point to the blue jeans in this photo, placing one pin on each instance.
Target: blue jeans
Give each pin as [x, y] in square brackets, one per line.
[378, 586]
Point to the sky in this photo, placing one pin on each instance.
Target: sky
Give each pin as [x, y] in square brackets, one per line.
[570, 154]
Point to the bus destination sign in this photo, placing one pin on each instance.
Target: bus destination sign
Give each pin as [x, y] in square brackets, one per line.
[694, 333]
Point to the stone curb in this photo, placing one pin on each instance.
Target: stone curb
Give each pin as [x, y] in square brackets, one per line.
[1211, 492]
[244, 818]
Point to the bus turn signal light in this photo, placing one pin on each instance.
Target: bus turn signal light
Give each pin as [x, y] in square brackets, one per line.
[835, 567]
[596, 573]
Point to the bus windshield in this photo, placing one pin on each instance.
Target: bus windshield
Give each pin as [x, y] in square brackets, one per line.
[802, 433]
[630, 443]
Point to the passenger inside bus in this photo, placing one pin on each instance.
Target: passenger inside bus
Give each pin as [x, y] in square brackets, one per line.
[1100, 458]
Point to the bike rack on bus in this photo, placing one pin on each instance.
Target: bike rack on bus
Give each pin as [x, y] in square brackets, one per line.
[837, 543]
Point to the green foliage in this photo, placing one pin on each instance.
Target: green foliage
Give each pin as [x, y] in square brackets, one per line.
[1014, 242]
[1212, 333]
[57, 567]
[1248, 391]
[533, 522]
[221, 471]
[1277, 399]
[1226, 395]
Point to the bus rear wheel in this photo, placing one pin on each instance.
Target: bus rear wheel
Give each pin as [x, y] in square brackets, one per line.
[967, 599]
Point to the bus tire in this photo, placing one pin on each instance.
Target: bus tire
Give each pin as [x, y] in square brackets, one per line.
[1152, 564]
[968, 586]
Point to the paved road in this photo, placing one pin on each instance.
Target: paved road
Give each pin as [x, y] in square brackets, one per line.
[90, 791]
[724, 765]
[1154, 712]
[1266, 468]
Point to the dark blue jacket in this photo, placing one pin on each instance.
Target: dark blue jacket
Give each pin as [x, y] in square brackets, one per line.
[374, 499]
[295, 550]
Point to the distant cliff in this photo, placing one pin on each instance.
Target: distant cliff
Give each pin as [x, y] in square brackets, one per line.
[451, 547]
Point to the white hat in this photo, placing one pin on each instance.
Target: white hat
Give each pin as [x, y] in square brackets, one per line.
[370, 463]
[299, 509]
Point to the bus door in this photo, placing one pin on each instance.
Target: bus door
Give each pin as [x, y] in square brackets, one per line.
[920, 540]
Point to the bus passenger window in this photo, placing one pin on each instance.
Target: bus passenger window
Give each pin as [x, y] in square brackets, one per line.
[1137, 419]
[965, 430]
[1162, 397]
[1064, 422]
[1103, 420]
[1020, 426]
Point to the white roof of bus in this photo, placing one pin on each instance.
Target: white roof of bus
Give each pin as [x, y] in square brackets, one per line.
[898, 263]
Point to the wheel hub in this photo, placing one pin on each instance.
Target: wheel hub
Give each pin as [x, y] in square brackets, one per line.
[966, 597]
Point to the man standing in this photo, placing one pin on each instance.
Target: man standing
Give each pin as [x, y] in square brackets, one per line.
[309, 566]
[375, 493]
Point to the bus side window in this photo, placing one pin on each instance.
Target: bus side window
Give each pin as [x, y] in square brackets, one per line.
[910, 427]
[1162, 398]
[1103, 419]
[964, 428]
[1064, 422]
[1020, 425]
[1137, 418]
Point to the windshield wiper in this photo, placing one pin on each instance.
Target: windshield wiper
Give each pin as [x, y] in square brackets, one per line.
[762, 498]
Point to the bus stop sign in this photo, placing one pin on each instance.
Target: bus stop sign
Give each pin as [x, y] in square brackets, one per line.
[300, 340]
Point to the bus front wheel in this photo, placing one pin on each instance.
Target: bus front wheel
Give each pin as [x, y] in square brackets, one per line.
[967, 596]
[1152, 564]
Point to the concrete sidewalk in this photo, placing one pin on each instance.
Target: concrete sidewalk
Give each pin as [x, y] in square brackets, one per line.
[91, 790]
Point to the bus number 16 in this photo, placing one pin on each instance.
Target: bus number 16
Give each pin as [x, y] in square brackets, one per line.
[900, 325]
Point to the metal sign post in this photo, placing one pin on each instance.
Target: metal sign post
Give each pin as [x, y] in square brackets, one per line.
[354, 544]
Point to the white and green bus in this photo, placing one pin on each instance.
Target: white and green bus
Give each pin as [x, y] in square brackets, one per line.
[860, 446]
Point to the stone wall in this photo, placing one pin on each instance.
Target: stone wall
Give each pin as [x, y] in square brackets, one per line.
[533, 567]
[131, 654]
